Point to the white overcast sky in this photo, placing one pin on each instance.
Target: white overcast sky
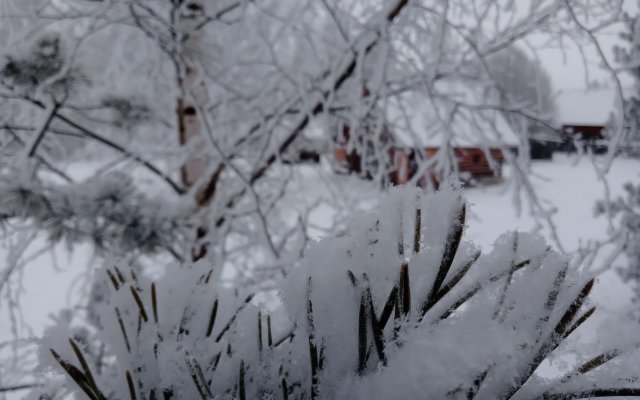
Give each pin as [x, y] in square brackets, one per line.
[567, 67]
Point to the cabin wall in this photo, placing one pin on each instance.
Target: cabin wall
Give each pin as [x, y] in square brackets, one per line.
[472, 163]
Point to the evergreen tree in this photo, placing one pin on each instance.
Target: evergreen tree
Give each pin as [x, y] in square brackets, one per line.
[629, 59]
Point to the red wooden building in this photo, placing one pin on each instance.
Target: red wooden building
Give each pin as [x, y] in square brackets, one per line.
[583, 115]
[477, 141]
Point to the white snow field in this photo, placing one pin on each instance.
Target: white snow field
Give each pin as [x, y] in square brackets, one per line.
[568, 182]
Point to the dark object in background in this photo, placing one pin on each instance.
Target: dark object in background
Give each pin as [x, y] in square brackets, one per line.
[305, 150]
[543, 145]
[586, 137]
[540, 150]
[302, 156]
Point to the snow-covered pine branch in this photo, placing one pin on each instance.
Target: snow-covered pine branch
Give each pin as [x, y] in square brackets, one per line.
[109, 211]
[400, 307]
[129, 77]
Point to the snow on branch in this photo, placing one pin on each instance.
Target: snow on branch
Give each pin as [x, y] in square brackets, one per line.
[108, 210]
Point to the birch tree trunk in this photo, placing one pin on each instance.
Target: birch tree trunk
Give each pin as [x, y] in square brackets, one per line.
[192, 88]
[193, 95]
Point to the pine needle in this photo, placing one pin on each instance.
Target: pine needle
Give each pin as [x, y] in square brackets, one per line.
[154, 302]
[132, 389]
[212, 317]
[138, 300]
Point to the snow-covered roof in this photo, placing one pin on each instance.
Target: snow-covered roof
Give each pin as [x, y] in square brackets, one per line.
[586, 107]
[429, 122]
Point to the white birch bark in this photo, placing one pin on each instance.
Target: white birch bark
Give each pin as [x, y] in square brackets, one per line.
[193, 92]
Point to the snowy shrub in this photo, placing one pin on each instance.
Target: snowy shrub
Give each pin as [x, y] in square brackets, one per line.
[399, 308]
[628, 233]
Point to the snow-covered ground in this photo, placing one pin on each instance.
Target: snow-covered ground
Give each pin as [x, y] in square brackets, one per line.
[571, 185]
[567, 182]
